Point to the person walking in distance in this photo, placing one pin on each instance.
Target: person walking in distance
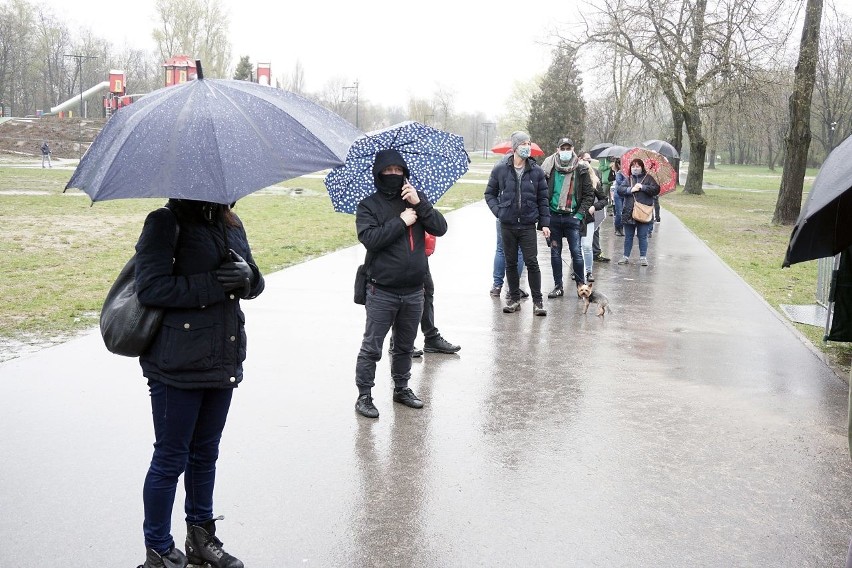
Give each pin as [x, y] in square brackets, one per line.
[517, 195]
[391, 225]
[45, 154]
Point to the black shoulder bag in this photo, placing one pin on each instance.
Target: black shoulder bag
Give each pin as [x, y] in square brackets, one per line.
[128, 327]
[362, 276]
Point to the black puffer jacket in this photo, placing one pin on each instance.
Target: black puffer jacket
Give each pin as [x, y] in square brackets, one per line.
[518, 206]
[202, 342]
[397, 253]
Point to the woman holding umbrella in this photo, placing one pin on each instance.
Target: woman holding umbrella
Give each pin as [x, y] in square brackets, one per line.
[192, 367]
[643, 188]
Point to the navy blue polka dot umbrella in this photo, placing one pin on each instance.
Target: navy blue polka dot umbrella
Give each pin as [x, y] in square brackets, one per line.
[436, 160]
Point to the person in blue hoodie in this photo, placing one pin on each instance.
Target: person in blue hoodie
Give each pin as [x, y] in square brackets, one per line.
[392, 225]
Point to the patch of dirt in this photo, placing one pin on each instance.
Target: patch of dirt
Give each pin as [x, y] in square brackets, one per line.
[67, 137]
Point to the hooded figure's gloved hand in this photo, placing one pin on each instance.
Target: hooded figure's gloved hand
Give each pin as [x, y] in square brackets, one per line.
[235, 275]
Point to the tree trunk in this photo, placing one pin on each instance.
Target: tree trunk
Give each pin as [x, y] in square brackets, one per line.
[798, 139]
[697, 150]
[677, 141]
[712, 164]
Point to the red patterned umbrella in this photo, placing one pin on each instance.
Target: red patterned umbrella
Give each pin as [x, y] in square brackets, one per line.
[656, 166]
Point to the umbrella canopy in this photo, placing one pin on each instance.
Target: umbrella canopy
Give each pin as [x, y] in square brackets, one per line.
[656, 166]
[211, 140]
[506, 147]
[435, 159]
[824, 227]
[595, 150]
[612, 152]
[661, 147]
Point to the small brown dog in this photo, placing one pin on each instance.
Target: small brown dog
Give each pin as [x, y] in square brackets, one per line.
[590, 296]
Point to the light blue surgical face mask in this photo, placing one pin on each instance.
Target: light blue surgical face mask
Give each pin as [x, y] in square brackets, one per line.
[566, 155]
[636, 171]
[524, 151]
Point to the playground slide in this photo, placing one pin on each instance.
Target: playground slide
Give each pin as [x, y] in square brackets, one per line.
[74, 102]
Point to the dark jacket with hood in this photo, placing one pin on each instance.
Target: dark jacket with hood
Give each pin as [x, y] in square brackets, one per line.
[514, 204]
[202, 341]
[396, 253]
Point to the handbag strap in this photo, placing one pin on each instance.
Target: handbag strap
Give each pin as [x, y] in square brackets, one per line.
[177, 228]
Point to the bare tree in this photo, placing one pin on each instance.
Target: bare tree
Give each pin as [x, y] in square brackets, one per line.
[295, 81]
[198, 28]
[832, 107]
[683, 46]
[798, 138]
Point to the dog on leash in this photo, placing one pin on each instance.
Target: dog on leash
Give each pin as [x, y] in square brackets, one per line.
[590, 296]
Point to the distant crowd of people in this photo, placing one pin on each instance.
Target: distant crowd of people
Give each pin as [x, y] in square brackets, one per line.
[560, 198]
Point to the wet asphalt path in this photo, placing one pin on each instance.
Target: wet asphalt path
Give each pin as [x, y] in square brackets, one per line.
[691, 427]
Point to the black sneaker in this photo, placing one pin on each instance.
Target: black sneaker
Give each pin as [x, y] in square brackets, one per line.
[365, 407]
[538, 309]
[511, 307]
[439, 345]
[557, 292]
[524, 294]
[601, 258]
[589, 277]
[619, 232]
[407, 397]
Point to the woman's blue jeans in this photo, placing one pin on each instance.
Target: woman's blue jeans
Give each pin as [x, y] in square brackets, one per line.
[188, 426]
[641, 230]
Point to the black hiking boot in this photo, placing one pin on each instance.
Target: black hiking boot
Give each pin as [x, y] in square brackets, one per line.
[204, 549]
[407, 397]
[174, 559]
[439, 345]
[365, 407]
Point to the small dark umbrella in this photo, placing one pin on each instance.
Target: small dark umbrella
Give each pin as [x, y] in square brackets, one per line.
[595, 150]
[661, 147]
[824, 227]
[612, 152]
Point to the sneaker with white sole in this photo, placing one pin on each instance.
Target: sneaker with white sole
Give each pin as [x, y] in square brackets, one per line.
[643, 261]
[624, 260]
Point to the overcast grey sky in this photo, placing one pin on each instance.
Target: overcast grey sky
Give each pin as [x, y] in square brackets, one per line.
[394, 49]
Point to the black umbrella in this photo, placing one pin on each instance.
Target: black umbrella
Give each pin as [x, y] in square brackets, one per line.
[595, 150]
[612, 152]
[661, 147]
[211, 140]
[824, 227]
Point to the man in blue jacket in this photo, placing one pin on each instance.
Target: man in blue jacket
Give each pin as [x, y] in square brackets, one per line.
[517, 195]
[392, 224]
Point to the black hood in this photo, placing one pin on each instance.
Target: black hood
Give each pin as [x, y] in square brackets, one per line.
[385, 158]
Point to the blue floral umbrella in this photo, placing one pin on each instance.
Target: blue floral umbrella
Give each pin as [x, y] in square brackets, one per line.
[436, 160]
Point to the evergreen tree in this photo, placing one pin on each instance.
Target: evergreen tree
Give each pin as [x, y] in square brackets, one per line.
[243, 72]
[558, 108]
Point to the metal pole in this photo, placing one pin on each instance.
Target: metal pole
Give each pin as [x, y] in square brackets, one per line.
[80, 59]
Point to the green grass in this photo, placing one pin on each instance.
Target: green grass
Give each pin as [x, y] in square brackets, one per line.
[61, 254]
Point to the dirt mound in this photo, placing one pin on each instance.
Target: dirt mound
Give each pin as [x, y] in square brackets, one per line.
[67, 137]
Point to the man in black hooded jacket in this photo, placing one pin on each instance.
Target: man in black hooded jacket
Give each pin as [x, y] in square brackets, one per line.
[391, 225]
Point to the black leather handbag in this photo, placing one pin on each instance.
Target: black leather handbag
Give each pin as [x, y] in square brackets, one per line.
[361, 278]
[128, 327]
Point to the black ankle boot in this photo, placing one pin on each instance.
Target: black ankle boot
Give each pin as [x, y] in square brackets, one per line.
[174, 559]
[203, 546]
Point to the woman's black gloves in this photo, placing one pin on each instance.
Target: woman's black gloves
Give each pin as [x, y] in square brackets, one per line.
[235, 275]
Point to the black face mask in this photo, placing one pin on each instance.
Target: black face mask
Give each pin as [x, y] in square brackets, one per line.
[390, 183]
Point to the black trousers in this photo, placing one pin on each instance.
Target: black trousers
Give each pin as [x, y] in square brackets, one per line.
[525, 238]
